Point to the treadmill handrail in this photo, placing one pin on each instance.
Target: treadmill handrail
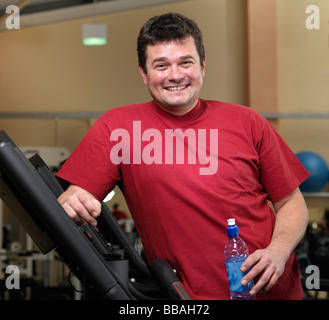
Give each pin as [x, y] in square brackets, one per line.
[58, 224]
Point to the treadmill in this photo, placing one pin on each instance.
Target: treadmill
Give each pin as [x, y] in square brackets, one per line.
[30, 191]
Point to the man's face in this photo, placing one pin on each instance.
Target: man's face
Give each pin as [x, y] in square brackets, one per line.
[174, 75]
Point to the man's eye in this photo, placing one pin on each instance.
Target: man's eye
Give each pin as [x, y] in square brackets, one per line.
[187, 63]
[160, 66]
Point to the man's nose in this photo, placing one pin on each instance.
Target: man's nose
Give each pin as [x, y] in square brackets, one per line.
[175, 74]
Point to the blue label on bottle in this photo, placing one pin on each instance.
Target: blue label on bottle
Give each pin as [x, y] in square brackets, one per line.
[235, 276]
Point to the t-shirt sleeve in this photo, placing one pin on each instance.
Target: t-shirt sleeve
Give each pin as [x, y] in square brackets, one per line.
[90, 166]
[280, 170]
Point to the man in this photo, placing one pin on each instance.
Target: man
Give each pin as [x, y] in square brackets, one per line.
[118, 213]
[186, 165]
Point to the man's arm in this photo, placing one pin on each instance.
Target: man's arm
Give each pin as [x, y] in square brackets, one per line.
[290, 226]
[80, 205]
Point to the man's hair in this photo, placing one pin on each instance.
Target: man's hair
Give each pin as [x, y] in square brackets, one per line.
[165, 28]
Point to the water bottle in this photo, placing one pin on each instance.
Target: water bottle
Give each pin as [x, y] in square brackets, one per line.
[236, 252]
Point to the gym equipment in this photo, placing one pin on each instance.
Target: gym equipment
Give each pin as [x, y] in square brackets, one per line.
[30, 191]
[318, 169]
[314, 251]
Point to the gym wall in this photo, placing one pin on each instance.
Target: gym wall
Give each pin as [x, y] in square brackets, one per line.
[303, 73]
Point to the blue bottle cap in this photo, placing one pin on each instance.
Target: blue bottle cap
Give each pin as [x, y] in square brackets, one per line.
[232, 228]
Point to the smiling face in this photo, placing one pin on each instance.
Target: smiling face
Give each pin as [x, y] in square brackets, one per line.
[174, 75]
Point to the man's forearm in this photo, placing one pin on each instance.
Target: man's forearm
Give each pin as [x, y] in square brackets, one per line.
[291, 222]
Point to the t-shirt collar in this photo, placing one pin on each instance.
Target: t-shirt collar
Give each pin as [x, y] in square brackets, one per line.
[192, 114]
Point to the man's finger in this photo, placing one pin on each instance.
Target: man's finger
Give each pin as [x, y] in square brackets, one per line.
[73, 215]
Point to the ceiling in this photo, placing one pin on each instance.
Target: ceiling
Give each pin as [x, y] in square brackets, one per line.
[38, 12]
[32, 6]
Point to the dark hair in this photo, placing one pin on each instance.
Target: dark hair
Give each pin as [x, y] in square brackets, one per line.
[168, 27]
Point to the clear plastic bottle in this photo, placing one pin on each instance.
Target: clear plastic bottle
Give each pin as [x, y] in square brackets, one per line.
[236, 252]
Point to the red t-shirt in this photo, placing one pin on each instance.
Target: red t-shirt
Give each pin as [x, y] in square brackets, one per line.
[184, 176]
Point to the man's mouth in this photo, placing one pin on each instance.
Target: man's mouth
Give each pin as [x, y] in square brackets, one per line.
[177, 87]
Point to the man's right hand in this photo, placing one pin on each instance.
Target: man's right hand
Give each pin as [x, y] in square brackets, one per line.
[80, 205]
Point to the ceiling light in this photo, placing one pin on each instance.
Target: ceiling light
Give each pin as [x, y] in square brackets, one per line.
[109, 196]
[94, 34]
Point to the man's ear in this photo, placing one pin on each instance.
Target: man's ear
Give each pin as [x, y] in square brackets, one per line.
[203, 67]
[143, 74]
